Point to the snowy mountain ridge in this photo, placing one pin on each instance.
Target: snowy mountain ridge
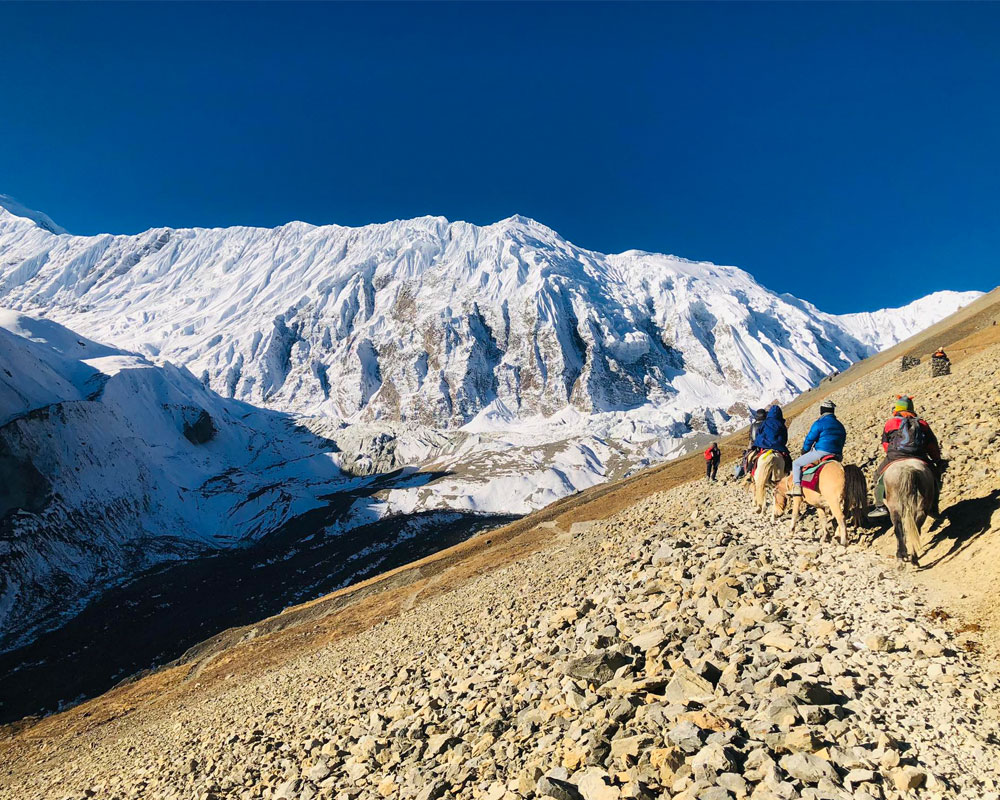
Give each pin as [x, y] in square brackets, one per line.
[447, 345]
[429, 321]
[511, 366]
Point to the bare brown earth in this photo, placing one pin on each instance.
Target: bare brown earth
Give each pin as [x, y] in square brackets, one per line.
[239, 653]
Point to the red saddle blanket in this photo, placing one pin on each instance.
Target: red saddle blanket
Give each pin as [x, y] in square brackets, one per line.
[810, 475]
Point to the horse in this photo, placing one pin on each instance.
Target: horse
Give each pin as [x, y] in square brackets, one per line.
[842, 490]
[909, 492]
[770, 469]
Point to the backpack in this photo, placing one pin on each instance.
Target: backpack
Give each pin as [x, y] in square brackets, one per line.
[708, 454]
[909, 438]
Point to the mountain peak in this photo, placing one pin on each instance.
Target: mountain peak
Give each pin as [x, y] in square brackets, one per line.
[17, 209]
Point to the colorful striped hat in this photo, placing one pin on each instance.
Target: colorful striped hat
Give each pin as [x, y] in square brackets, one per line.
[903, 403]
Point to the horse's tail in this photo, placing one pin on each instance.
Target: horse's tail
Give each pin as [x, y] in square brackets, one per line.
[910, 502]
[855, 494]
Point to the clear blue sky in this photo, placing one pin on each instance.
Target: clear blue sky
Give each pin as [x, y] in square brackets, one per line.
[831, 150]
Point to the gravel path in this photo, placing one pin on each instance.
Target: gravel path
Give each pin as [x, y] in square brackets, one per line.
[684, 648]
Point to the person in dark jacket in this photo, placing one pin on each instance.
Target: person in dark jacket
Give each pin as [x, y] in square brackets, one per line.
[773, 435]
[758, 420]
[750, 454]
[826, 437]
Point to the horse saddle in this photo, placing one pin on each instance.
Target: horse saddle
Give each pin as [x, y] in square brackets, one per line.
[757, 456]
[810, 474]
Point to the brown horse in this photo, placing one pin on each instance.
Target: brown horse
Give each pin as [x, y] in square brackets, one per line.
[842, 490]
[909, 492]
[770, 469]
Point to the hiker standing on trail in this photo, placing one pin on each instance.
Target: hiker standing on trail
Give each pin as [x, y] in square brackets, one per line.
[906, 435]
[712, 457]
[826, 437]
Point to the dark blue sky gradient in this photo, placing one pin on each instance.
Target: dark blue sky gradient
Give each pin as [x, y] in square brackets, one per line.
[831, 150]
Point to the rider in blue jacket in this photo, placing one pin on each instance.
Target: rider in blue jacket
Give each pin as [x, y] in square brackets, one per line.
[826, 437]
[773, 435]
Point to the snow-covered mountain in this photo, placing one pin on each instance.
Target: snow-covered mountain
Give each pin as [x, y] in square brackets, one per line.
[510, 365]
[435, 322]
[445, 343]
[111, 464]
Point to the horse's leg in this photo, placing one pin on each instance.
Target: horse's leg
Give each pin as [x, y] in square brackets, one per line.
[838, 514]
[762, 494]
[824, 532]
[837, 509]
[796, 507]
[897, 527]
[912, 520]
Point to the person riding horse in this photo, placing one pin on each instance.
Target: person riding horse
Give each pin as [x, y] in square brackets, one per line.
[751, 453]
[906, 435]
[826, 437]
[773, 434]
[758, 419]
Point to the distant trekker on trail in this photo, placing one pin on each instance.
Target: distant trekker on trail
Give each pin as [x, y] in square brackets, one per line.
[826, 438]
[906, 435]
[712, 457]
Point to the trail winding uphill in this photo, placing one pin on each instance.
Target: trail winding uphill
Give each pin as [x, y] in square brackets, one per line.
[684, 646]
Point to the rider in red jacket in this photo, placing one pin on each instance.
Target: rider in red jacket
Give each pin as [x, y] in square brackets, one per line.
[904, 439]
[930, 450]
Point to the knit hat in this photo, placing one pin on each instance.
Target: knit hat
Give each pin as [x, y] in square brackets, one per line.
[903, 403]
[761, 414]
[827, 407]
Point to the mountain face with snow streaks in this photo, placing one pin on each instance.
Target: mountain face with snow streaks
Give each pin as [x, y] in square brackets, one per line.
[436, 323]
[179, 392]
[111, 464]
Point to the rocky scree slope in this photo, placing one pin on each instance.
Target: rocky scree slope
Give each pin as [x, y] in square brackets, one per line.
[110, 464]
[682, 648]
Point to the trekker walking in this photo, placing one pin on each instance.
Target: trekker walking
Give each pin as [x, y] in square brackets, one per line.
[712, 457]
[826, 437]
[905, 435]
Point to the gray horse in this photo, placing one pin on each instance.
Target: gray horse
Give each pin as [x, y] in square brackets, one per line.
[909, 493]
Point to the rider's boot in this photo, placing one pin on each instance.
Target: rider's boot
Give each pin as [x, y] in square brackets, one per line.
[795, 491]
[878, 512]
